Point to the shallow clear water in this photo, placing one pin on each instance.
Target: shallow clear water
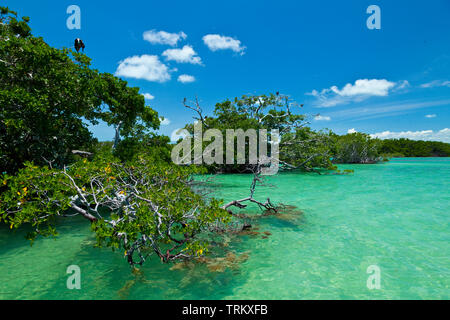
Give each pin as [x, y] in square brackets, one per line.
[394, 215]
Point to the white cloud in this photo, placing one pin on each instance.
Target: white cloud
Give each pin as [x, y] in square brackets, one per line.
[430, 116]
[322, 118]
[217, 42]
[163, 37]
[185, 78]
[144, 67]
[350, 131]
[179, 134]
[402, 85]
[426, 135]
[148, 96]
[385, 110]
[359, 91]
[436, 83]
[184, 55]
[372, 87]
[164, 122]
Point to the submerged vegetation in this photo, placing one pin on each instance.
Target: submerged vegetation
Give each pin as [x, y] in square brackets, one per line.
[131, 193]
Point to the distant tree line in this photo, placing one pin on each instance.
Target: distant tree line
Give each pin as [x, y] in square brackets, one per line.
[412, 148]
[361, 148]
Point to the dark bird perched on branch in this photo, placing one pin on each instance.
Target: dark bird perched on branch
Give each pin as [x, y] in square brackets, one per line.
[79, 44]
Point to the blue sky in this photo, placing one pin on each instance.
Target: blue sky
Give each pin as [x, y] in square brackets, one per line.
[390, 82]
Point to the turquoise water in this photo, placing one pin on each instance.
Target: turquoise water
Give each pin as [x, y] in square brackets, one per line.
[394, 215]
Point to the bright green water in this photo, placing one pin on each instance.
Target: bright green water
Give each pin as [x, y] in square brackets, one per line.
[394, 215]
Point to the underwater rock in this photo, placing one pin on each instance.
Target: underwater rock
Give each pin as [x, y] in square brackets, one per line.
[182, 265]
[216, 268]
[248, 233]
[285, 212]
[178, 266]
[230, 261]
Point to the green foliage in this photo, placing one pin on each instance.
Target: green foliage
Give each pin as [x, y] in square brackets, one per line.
[255, 112]
[307, 148]
[151, 146]
[34, 196]
[47, 95]
[356, 148]
[299, 145]
[411, 148]
[137, 207]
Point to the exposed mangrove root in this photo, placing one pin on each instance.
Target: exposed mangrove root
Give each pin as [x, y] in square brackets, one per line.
[239, 203]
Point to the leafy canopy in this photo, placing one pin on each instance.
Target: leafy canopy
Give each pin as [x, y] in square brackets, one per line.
[300, 146]
[47, 95]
